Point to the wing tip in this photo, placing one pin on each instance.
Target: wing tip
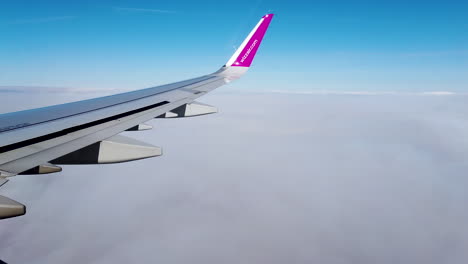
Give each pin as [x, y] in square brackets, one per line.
[244, 56]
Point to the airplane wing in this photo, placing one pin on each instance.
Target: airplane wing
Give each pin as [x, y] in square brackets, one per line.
[36, 141]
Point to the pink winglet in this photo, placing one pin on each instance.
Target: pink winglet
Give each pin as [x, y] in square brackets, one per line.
[249, 48]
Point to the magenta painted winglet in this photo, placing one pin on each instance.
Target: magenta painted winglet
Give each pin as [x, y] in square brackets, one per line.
[244, 56]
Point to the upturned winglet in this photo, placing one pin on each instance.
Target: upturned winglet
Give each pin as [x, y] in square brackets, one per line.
[245, 54]
[241, 60]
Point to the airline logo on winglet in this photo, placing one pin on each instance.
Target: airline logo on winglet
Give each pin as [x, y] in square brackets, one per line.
[246, 52]
[249, 50]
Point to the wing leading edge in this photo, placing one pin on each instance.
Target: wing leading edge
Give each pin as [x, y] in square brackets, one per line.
[85, 132]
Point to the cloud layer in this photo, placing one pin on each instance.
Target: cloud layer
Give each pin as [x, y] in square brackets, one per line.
[272, 178]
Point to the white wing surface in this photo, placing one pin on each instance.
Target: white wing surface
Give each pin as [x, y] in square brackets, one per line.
[37, 141]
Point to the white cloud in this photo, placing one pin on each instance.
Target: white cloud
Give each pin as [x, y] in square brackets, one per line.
[272, 178]
[330, 92]
[441, 93]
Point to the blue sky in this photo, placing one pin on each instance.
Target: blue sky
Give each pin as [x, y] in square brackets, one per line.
[311, 45]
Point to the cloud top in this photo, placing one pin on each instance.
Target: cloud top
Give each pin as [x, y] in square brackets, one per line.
[272, 178]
